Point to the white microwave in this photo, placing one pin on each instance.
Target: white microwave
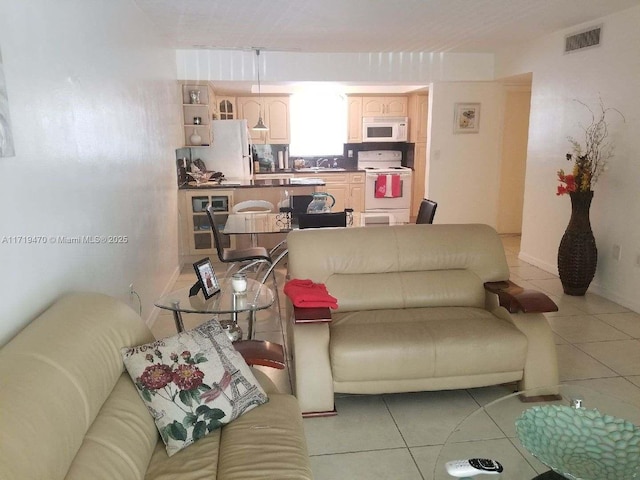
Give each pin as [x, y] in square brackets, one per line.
[385, 129]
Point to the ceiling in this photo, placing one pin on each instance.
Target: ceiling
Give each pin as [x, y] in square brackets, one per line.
[367, 25]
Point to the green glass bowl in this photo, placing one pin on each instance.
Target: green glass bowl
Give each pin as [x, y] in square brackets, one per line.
[581, 444]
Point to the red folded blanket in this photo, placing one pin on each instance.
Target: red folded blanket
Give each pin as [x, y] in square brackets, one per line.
[305, 293]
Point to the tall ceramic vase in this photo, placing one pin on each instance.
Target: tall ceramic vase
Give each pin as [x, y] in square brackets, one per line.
[577, 254]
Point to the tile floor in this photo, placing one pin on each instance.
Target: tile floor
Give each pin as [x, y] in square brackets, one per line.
[400, 436]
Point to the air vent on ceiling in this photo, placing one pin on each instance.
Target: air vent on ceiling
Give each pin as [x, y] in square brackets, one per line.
[583, 39]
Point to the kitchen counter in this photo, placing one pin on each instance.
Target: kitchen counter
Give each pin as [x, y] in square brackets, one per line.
[308, 170]
[262, 183]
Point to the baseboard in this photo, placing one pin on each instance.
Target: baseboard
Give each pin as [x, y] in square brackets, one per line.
[609, 295]
[595, 287]
[536, 262]
[155, 311]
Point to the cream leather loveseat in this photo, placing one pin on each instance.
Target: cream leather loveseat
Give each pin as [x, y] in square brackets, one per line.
[414, 314]
[69, 411]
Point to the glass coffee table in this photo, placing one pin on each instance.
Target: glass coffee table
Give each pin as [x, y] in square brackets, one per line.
[490, 432]
[257, 297]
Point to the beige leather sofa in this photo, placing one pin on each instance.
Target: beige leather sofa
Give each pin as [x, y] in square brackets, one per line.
[69, 411]
[414, 314]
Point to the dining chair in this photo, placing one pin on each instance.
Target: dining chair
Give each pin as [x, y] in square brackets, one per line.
[249, 256]
[253, 206]
[322, 220]
[245, 258]
[427, 211]
[300, 203]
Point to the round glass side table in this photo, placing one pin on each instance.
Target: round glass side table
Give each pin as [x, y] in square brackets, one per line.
[257, 297]
[490, 432]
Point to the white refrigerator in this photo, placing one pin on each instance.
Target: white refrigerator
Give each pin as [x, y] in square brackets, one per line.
[229, 152]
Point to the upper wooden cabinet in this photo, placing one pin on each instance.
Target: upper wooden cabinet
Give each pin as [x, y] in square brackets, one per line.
[226, 108]
[385, 106]
[354, 121]
[275, 114]
[418, 124]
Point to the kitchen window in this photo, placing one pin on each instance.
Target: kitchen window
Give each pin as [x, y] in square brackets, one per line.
[318, 123]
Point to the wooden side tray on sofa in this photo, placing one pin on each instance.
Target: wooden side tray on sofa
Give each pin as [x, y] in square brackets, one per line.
[516, 299]
[261, 352]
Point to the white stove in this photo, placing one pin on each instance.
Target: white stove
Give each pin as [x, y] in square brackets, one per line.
[387, 184]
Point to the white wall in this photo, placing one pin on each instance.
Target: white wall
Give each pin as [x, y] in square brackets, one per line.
[611, 71]
[464, 169]
[226, 65]
[93, 102]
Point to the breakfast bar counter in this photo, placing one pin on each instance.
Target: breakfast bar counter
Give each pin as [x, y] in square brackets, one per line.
[261, 183]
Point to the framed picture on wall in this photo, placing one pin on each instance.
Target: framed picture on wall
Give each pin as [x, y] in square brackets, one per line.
[466, 118]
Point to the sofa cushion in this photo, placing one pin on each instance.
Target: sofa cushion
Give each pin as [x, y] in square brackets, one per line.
[415, 343]
[401, 266]
[120, 440]
[192, 383]
[267, 442]
[373, 291]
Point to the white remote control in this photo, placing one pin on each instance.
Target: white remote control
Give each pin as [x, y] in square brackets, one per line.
[473, 466]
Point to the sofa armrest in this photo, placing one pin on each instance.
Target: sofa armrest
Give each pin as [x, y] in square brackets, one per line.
[516, 299]
[309, 336]
[311, 315]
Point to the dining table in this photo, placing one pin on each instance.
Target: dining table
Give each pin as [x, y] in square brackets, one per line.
[253, 223]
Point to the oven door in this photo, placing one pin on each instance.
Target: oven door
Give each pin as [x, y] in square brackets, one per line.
[377, 202]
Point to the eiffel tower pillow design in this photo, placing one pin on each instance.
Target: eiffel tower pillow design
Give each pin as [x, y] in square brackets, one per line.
[192, 383]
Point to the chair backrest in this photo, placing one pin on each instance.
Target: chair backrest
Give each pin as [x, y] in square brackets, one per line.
[217, 236]
[427, 211]
[299, 203]
[321, 220]
[253, 206]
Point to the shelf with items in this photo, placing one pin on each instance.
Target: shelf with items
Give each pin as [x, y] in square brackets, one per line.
[196, 113]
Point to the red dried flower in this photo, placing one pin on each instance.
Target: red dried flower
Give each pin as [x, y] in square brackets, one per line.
[569, 183]
[187, 377]
[156, 376]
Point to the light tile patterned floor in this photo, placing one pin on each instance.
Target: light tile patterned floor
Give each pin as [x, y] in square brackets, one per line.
[397, 437]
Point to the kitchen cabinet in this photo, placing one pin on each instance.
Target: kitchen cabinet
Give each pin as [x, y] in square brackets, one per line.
[418, 118]
[385, 106]
[199, 109]
[226, 107]
[196, 236]
[346, 187]
[418, 186]
[275, 114]
[356, 191]
[354, 119]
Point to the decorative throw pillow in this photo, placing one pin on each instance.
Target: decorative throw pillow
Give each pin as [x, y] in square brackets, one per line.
[192, 383]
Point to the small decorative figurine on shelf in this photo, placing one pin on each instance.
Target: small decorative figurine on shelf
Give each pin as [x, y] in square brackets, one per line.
[194, 95]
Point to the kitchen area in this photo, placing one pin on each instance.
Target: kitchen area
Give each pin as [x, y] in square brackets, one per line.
[378, 171]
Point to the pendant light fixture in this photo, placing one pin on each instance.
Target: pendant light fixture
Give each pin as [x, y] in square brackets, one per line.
[260, 126]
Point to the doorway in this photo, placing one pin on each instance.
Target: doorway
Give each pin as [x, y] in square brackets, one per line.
[517, 105]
